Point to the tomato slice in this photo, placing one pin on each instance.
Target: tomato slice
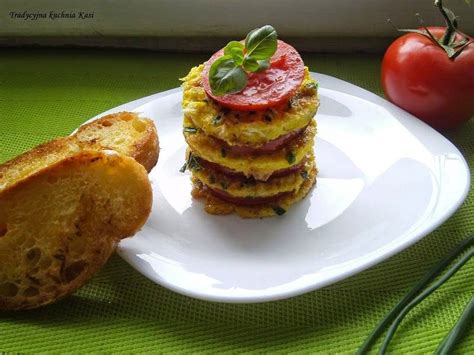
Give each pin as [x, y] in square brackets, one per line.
[268, 147]
[232, 173]
[265, 89]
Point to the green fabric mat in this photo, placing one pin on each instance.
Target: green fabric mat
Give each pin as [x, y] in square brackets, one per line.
[48, 93]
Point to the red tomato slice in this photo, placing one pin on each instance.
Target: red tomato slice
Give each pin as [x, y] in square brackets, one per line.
[267, 147]
[233, 173]
[268, 88]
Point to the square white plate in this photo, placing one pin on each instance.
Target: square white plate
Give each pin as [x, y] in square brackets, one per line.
[386, 180]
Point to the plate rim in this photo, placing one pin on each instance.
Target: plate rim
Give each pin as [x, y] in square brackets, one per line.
[361, 266]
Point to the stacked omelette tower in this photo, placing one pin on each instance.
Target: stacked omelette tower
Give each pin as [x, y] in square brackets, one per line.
[256, 163]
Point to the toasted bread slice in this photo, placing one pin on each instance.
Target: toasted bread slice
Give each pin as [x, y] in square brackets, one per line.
[41, 156]
[61, 218]
[125, 133]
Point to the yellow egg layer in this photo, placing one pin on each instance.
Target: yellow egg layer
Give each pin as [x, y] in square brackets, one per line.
[242, 187]
[215, 205]
[253, 128]
[259, 166]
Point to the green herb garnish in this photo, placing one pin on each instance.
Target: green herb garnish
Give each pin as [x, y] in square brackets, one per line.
[290, 157]
[192, 163]
[293, 102]
[190, 129]
[223, 152]
[278, 210]
[311, 86]
[224, 185]
[229, 73]
[217, 120]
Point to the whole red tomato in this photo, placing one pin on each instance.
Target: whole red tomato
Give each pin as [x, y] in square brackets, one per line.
[418, 76]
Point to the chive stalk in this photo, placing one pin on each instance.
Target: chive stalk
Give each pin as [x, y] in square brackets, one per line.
[428, 278]
[450, 341]
[452, 270]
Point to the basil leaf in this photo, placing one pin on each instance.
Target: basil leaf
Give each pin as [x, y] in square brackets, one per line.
[225, 77]
[232, 44]
[236, 51]
[237, 55]
[261, 43]
[263, 64]
[228, 74]
[252, 65]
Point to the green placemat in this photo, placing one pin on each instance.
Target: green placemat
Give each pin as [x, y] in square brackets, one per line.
[48, 93]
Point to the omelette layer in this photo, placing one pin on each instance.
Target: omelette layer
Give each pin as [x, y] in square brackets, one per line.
[215, 205]
[252, 128]
[245, 187]
[259, 166]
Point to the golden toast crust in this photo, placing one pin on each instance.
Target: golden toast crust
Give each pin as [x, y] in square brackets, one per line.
[108, 132]
[61, 223]
[14, 170]
[141, 144]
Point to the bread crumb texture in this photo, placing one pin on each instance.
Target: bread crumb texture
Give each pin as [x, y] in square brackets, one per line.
[62, 212]
[126, 133]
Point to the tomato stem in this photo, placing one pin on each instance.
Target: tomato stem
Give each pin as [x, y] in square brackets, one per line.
[448, 42]
[451, 23]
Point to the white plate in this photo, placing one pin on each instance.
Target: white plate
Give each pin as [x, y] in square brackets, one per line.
[386, 180]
